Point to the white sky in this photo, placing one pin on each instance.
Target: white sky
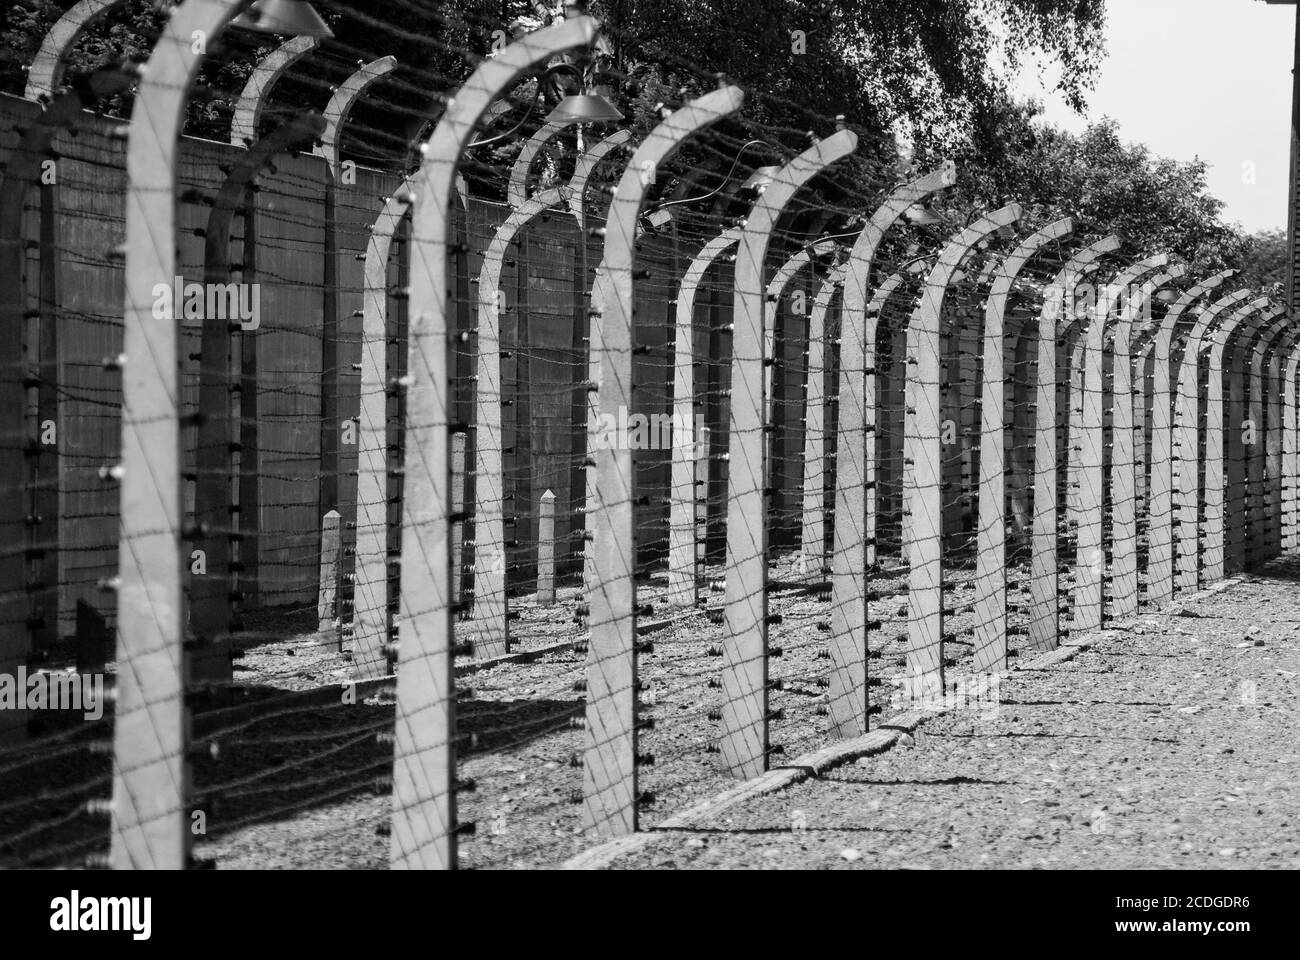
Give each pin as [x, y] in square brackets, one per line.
[1207, 78]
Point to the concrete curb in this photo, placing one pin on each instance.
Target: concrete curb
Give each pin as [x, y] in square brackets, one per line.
[779, 778]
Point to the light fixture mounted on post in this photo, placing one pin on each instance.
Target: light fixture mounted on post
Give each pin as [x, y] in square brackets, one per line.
[295, 18]
[760, 178]
[591, 107]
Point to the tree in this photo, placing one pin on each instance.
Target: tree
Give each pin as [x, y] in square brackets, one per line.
[1265, 260]
[877, 62]
[1105, 184]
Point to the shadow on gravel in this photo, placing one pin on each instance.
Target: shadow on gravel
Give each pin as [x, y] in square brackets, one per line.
[938, 782]
[278, 756]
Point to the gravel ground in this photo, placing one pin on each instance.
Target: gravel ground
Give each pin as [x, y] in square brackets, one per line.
[1164, 753]
[1169, 744]
[518, 742]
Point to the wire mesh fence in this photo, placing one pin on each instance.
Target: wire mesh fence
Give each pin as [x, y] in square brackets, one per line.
[376, 497]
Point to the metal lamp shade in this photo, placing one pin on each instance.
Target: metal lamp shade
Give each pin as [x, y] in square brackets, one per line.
[921, 215]
[585, 108]
[760, 178]
[294, 18]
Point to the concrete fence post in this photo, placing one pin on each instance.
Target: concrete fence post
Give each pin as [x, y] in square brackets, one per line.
[610, 756]
[1290, 487]
[891, 473]
[490, 624]
[1124, 460]
[45, 73]
[991, 544]
[1275, 406]
[1058, 314]
[491, 615]
[372, 619]
[855, 460]
[812, 540]
[1250, 521]
[1090, 555]
[517, 183]
[219, 457]
[248, 108]
[1189, 485]
[150, 822]
[1160, 493]
[923, 447]
[546, 549]
[745, 744]
[1251, 315]
[1274, 402]
[687, 455]
[340, 106]
[773, 382]
[424, 768]
[331, 555]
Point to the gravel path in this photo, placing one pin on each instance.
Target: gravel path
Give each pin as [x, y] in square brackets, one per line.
[1171, 743]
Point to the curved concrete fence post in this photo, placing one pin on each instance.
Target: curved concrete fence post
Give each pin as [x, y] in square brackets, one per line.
[495, 110]
[745, 744]
[610, 758]
[892, 473]
[773, 383]
[1078, 314]
[688, 459]
[517, 184]
[340, 106]
[150, 819]
[1090, 556]
[1188, 481]
[1124, 441]
[575, 192]
[424, 768]
[855, 460]
[1020, 335]
[1249, 533]
[1269, 544]
[217, 517]
[1160, 504]
[586, 165]
[372, 617]
[489, 625]
[1290, 452]
[812, 539]
[1140, 347]
[1279, 444]
[1244, 318]
[595, 364]
[924, 682]
[269, 70]
[1075, 340]
[334, 386]
[1054, 321]
[991, 560]
[960, 349]
[45, 73]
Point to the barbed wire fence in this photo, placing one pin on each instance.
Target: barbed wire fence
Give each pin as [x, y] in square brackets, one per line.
[511, 507]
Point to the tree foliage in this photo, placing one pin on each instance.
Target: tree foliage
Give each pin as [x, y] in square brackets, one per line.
[1264, 260]
[1106, 184]
[934, 72]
